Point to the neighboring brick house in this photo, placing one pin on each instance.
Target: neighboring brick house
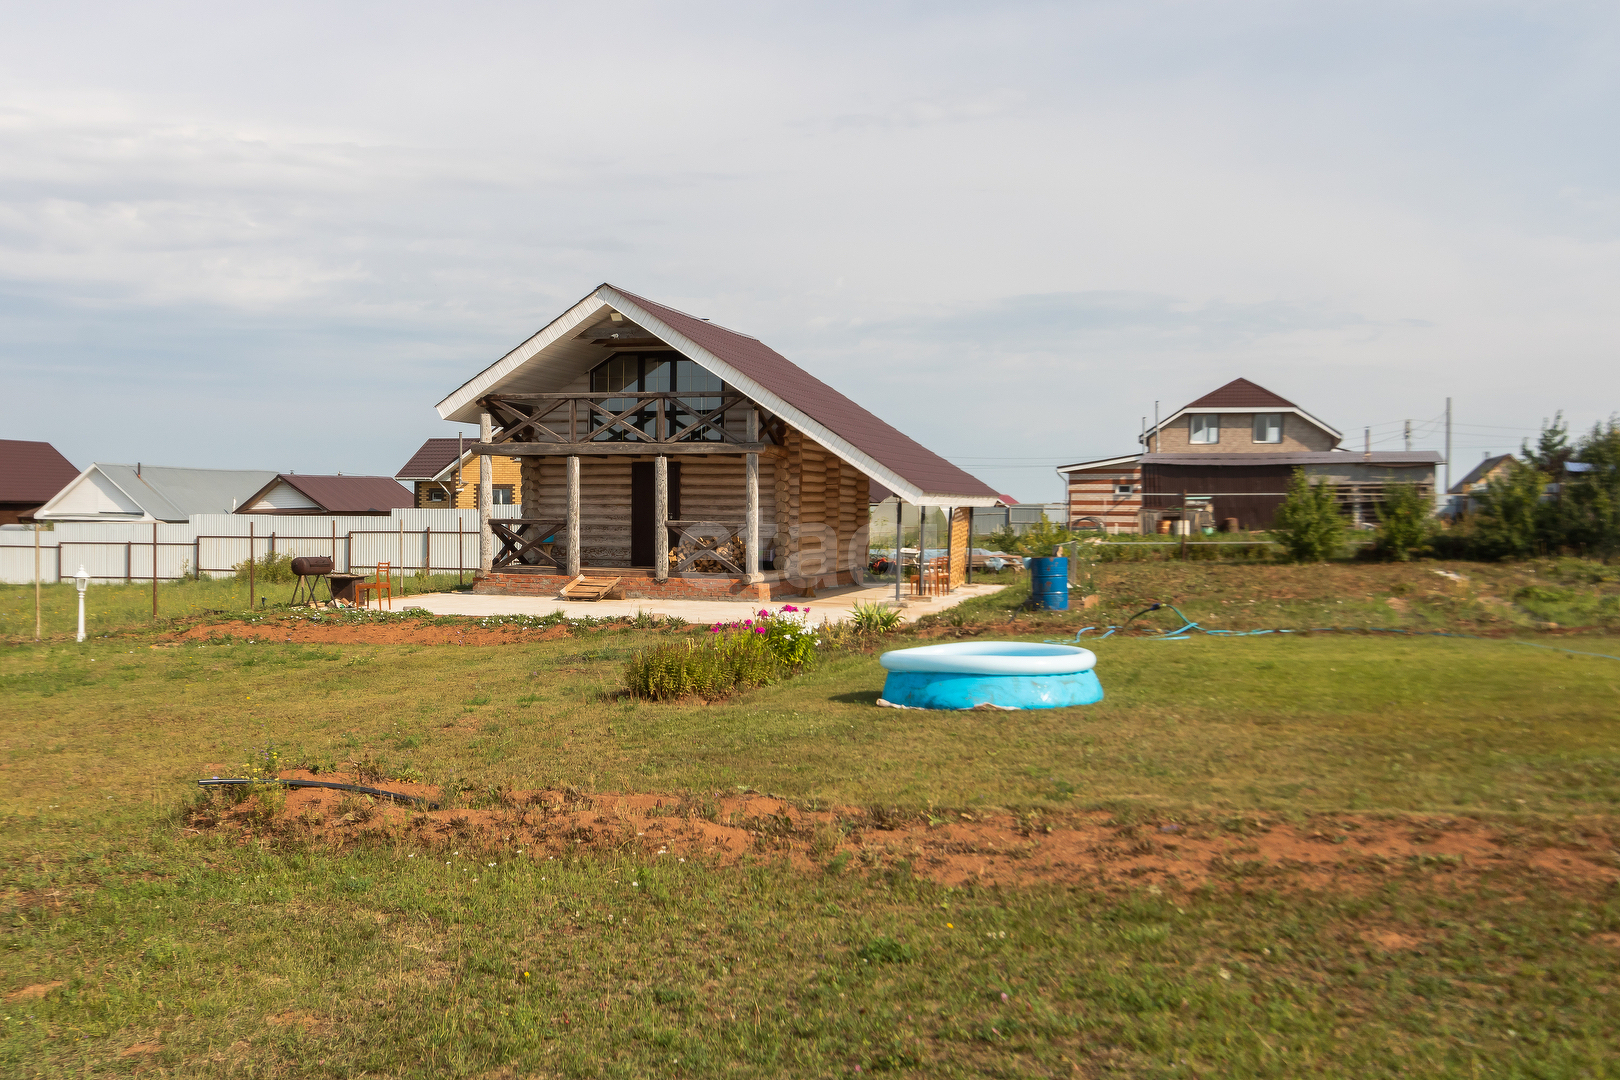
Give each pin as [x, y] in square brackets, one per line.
[1225, 460]
[439, 481]
[31, 474]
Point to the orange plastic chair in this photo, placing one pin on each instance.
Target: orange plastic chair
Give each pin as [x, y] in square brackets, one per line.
[383, 586]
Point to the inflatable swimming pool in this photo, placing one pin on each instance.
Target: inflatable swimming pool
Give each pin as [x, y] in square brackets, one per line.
[997, 674]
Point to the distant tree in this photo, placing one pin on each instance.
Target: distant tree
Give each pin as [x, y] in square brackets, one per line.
[1590, 502]
[1308, 523]
[1552, 448]
[1405, 522]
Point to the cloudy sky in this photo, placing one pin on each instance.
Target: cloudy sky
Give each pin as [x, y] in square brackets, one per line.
[276, 238]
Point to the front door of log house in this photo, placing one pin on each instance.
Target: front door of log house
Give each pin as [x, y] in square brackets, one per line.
[644, 511]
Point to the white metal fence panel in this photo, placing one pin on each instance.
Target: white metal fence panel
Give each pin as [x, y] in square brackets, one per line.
[213, 544]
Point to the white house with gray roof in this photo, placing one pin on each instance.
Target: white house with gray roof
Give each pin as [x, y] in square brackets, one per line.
[109, 492]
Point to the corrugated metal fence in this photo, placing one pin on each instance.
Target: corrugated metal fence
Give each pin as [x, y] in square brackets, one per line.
[212, 544]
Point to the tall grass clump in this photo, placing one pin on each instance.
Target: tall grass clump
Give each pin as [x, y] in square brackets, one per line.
[721, 666]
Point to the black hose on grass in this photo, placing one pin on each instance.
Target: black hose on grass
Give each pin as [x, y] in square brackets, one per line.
[396, 795]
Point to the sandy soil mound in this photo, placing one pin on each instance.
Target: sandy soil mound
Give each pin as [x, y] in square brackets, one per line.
[1342, 851]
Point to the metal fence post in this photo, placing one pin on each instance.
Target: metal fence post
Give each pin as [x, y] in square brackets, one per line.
[154, 571]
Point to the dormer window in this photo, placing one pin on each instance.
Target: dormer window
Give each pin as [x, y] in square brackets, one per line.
[1205, 428]
[1268, 427]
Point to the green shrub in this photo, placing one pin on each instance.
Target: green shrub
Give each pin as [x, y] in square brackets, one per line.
[1308, 523]
[874, 618]
[1512, 521]
[274, 567]
[1405, 523]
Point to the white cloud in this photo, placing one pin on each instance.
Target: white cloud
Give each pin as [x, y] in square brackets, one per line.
[955, 214]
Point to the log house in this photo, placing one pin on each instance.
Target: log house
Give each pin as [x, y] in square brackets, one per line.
[687, 460]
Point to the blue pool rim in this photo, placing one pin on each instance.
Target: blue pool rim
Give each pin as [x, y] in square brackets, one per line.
[1000, 674]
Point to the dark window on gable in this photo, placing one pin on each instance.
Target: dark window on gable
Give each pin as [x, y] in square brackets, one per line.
[654, 373]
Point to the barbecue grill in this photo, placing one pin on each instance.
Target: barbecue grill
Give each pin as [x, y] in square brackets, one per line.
[312, 570]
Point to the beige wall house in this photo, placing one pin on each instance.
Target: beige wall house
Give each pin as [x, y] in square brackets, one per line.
[1224, 461]
[681, 458]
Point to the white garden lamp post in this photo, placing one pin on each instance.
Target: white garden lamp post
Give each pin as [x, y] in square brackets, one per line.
[81, 581]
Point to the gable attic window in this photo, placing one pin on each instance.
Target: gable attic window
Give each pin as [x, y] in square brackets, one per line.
[1268, 427]
[655, 373]
[1205, 428]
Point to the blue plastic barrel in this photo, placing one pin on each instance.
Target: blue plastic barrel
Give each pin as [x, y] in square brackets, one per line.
[1049, 582]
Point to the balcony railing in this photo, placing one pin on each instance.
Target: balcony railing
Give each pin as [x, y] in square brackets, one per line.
[654, 419]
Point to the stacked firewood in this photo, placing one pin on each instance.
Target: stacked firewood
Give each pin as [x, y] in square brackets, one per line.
[732, 549]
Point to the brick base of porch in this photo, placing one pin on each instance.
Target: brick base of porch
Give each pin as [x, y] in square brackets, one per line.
[641, 585]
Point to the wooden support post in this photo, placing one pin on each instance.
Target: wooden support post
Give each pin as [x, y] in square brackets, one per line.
[486, 493]
[899, 571]
[660, 518]
[1183, 524]
[950, 544]
[751, 507]
[573, 516]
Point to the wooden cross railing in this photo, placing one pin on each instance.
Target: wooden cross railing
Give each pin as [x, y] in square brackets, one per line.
[515, 545]
[653, 419]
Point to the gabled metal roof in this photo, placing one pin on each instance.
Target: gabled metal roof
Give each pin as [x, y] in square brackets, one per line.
[900, 463]
[163, 493]
[31, 472]
[341, 494]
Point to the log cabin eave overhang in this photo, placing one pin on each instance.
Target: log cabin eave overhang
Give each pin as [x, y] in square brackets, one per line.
[549, 360]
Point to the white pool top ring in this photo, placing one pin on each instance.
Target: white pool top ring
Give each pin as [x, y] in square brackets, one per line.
[992, 658]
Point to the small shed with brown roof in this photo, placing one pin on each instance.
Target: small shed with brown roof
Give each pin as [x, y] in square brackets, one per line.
[31, 473]
[688, 459]
[290, 493]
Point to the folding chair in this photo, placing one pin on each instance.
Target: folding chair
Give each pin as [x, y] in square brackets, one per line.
[383, 586]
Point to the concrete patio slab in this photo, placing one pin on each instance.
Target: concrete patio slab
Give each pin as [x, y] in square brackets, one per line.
[831, 605]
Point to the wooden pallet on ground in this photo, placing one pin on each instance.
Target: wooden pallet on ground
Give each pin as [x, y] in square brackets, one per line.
[586, 587]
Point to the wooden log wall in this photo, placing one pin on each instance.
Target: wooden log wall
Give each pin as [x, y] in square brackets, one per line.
[711, 490]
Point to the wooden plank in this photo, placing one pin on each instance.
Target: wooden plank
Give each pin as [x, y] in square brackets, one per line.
[617, 449]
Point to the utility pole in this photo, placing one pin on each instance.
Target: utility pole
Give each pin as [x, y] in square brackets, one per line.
[1409, 436]
[1448, 446]
[1366, 442]
[1157, 438]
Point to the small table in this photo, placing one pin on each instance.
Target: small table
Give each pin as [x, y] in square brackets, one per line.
[342, 585]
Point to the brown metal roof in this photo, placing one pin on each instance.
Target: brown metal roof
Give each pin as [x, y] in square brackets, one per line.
[32, 472]
[1242, 394]
[430, 459]
[907, 457]
[352, 494]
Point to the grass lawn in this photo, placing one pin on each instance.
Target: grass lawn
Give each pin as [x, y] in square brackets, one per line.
[140, 942]
[115, 606]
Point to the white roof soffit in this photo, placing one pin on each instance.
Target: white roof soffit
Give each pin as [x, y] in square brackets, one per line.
[1101, 463]
[84, 477]
[1295, 409]
[459, 406]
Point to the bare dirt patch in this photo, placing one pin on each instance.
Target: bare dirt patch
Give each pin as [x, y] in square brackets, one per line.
[1341, 851]
[32, 993]
[395, 633]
